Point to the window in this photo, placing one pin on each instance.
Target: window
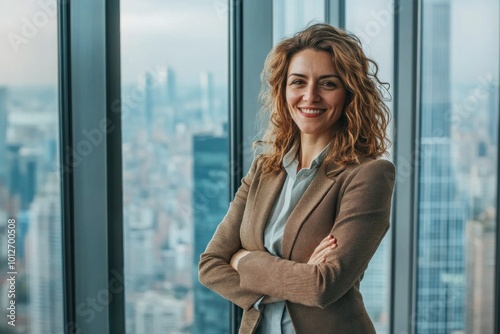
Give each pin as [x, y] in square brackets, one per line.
[290, 16]
[175, 160]
[458, 176]
[373, 23]
[31, 292]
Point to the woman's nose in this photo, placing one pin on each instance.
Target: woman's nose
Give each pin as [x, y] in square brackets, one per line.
[311, 94]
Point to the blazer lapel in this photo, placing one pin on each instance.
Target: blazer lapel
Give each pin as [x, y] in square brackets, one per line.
[320, 185]
[267, 192]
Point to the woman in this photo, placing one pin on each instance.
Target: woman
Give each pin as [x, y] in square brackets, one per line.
[318, 180]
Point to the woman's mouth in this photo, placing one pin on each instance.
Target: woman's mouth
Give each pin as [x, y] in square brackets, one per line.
[308, 112]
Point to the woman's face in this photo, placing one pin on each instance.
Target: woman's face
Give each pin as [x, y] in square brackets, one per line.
[315, 94]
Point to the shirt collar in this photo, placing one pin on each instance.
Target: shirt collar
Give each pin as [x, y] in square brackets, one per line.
[291, 161]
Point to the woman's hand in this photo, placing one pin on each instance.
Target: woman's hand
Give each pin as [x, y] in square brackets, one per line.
[237, 257]
[326, 246]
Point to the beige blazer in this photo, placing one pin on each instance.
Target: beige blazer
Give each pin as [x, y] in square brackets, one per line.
[352, 203]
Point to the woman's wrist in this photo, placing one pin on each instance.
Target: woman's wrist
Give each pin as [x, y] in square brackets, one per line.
[235, 259]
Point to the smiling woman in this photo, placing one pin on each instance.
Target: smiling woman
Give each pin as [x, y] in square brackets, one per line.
[310, 214]
[315, 96]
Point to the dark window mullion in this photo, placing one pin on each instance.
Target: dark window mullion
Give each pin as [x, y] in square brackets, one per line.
[335, 13]
[406, 116]
[235, 118]
[114, 170]
[65, 135]
[91, 166]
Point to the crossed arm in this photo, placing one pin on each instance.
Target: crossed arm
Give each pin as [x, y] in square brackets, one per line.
[326, 246]
[361, 223]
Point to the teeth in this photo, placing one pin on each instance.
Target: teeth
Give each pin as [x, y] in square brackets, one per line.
[312, 111]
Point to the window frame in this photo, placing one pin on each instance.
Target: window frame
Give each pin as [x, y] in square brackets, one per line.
[406, 120]
[92, 224]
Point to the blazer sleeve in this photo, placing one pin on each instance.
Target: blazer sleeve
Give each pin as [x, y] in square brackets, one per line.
[214, 270]
[361, 223]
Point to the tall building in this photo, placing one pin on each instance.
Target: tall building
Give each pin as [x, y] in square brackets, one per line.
[207, 97]
[210, 203]
[441, 210]
[22, 165]
[375, 289]
[168, 97]
[149, 100]
[480, 274]
[44, 261]
[12, 158]
[170, 86]
[493, 104]
[161, 100]
[139, 235]
[3, 133]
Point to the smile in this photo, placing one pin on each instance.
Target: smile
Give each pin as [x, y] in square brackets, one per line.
[311, 112]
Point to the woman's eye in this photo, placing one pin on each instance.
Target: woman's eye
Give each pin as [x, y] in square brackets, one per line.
[297, 82]
[328, 84]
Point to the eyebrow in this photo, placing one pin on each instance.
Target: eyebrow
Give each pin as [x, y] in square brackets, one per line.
[320, 77]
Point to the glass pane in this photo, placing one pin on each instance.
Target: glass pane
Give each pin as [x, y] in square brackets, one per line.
[31, 292]
[290, 16]
[457, 159]
[175, 160]
[373, 22]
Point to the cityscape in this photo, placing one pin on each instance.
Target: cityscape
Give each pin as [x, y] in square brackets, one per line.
[176, 190]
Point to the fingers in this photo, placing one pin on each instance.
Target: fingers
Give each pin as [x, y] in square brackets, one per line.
[321, 257]
[324, 244]
[327, 245]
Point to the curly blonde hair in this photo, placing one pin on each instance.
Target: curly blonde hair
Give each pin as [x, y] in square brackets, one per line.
[360, 130]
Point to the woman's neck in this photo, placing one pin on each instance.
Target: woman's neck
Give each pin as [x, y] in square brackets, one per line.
[308, 151]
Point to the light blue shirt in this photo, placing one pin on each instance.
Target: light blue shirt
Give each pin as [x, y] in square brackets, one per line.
[275, 317]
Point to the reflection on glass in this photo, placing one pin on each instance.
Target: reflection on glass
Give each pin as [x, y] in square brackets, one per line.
[31, 295]
[175, 160]
[373, 22]
[457, 181]
[290, 16]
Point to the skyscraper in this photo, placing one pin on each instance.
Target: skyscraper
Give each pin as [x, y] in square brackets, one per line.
[170, 87]
[210, 203]
[44, 260]
[160, 98]
[22, 164]
[375, 287]
[207, 97]
[441, 210]
[139, 255]
[149, 100]
[493, 104]
[481, 273]
[3, 133]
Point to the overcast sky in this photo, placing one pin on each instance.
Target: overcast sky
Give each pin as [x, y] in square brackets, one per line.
[191, 36]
